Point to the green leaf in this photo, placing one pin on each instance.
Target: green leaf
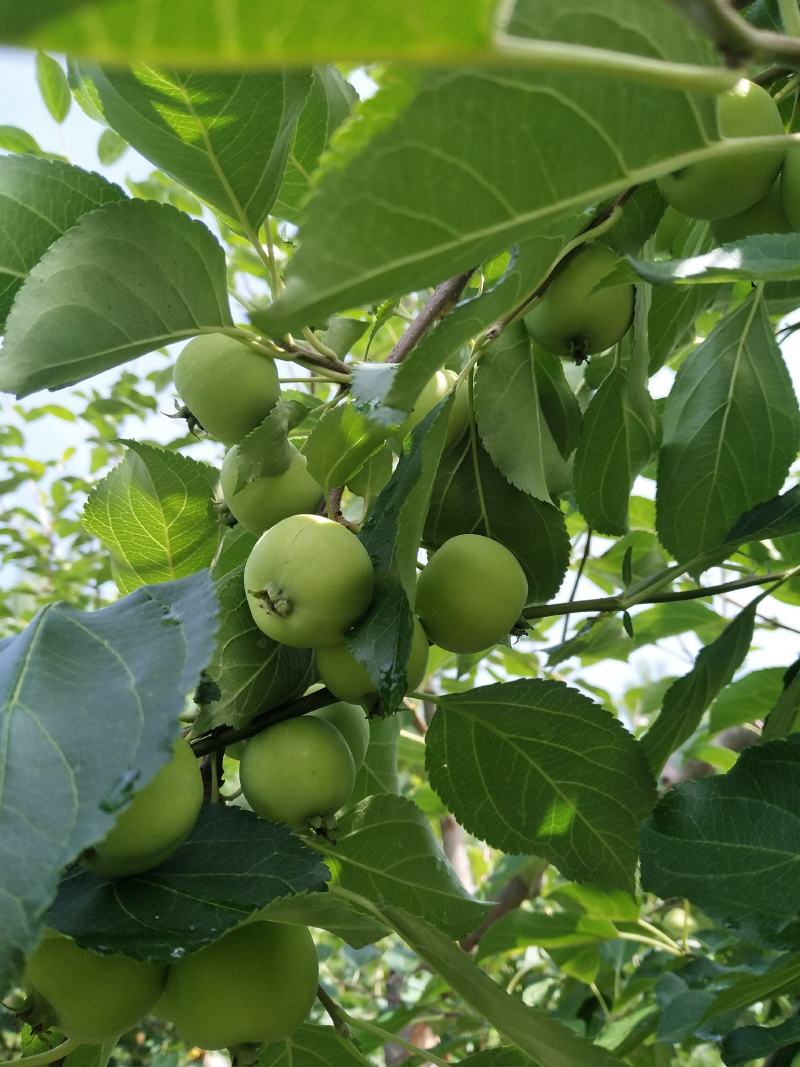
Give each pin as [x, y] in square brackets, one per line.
[687, 699]
[782, 977]
[510, 419]
[731, 430]
[413, 171]
[232, 864]
[618, 438]
[340, 444]
[671, 319]
[327, 105]
[225, 136]
[777, 518]
[40, 199]
[270, 32]
[532, 766]
[266, 451]
[310, 1046]
[324, 911]
[559, 403]
[783, 716]
[748, 698]
[251, 672]
[14, 139]
[731, 844]
[373, 475]
[749, 1043]
[119, 673]
[91, 1055]
[110, 147]
[378, 773]
[386, 852]
[766, 257]
[155, 516]
[549, 1042]
[518, 930]
[53, 86]
[471, 496]
[126, 279]
[391, 535]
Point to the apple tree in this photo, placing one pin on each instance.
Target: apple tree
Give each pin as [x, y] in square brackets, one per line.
[401, 537]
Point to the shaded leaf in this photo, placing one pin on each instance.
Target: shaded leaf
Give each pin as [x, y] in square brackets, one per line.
[230, 866]
[748, 1043]
[533, 766]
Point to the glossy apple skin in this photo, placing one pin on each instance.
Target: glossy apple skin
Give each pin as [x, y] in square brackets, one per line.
[767, 216]
[470, 594]
[265, 501]
[227, 387]
[158, 819]
[572, 319]
[297, 771]
[717, 188]
[352, 723]
[93, 998]
[341, 672]
[308, 580]
[256, 984]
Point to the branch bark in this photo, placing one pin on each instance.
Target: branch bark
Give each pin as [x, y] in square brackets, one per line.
[736, 39]
[442, 299]
[521, 887]
[292, 709]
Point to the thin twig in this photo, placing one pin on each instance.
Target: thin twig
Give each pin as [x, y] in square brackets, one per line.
[444, 296]
[292, 709]
[736, 39]
[586, 549]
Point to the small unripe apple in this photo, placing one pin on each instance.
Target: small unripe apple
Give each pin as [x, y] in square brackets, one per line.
[435, 390]
[226, 386]
[470, 594]
[158, 819]
[341, 672]
[308, 580]
[730, 184]
[678, 921]
[265, 501]
[255, 985]
[575, 319]
[93, 998]
[767, 216]
[352, 723]
[297, 771]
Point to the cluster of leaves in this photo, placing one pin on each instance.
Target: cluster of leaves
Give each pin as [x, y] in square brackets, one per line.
[439, 174]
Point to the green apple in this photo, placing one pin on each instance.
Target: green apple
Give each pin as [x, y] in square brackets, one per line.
[158, 819]
[93, 998]
[307, 580]
[767, 216]
[729, 184]
[435, 390]
[573, 318]
[226, 386]
[255, 985]
[297, 771]
[352, 723]
[341, 672]
[265, 501]
[470, 594]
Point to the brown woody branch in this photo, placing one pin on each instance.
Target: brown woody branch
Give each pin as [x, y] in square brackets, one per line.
[514, 893]
[442, 299]
[228, 735]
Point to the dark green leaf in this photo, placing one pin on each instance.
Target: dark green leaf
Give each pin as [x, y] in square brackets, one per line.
[731, 430]
[764, 257]
[471, 496]
[39, 201]
[232, 864]
[731, 844]
[536, 767]
[75, 684]
[126, 279]
[687, 699]
[310, 1046]
[749, 1043]
[782, 977]
[378, 773]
